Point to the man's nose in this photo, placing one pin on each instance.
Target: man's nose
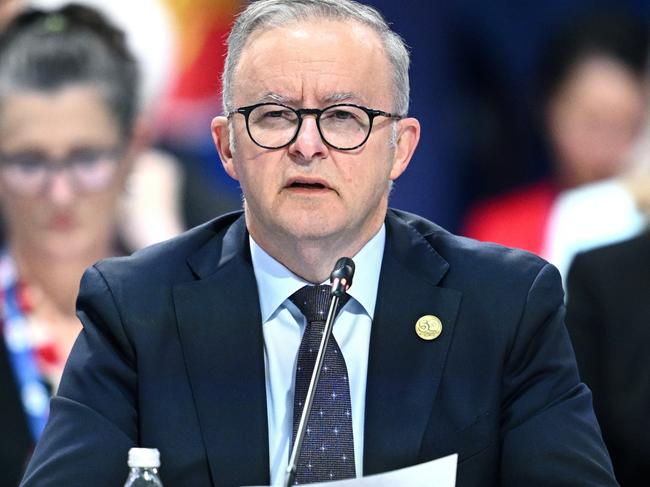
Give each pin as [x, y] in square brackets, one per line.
[308, 144]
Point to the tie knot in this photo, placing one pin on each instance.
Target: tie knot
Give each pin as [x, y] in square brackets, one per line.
[314, 302]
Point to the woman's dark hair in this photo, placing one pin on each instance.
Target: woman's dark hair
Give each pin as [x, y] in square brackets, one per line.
[614, 34]
[49, 50]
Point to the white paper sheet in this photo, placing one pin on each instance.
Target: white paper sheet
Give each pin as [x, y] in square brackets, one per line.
[436, 473]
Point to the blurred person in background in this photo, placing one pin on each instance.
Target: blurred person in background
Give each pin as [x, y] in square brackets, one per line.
[605, 226]
[151, 207]
[68, 105]
[608, 312]
[165, 194]
[593, 99]
[601, 213]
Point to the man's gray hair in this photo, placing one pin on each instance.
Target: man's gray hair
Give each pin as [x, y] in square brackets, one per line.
[276, 13]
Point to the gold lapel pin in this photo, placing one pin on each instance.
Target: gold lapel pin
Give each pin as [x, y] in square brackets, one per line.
[429, 327]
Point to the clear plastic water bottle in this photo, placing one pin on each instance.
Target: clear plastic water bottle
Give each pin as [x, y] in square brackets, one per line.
[144, 464]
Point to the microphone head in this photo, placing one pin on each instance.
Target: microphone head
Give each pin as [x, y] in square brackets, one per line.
[341, 276]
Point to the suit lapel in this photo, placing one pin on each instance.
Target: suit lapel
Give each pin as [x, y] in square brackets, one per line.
[221, 333]
[404, 371]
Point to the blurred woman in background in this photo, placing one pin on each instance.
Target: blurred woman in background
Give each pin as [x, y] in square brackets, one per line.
[68, 106]
[593, 99]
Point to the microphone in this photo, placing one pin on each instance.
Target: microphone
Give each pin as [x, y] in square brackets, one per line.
[341, 276]
[341, 280]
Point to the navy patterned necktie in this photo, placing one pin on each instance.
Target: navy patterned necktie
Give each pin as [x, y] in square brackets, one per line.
[327, 451]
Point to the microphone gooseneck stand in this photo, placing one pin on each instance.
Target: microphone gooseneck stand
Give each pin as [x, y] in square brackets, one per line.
[341, 280]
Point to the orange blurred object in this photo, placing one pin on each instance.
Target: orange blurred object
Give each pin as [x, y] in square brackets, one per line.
[203, 27]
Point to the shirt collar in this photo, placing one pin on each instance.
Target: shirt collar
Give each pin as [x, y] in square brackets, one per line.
[275, 283]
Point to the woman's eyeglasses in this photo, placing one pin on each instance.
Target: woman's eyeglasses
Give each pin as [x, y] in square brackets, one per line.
[29, 173]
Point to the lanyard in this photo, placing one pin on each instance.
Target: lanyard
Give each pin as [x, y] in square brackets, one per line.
[22, 356]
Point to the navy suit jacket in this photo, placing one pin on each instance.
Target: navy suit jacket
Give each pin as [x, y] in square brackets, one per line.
[608, 313]
[172, 356]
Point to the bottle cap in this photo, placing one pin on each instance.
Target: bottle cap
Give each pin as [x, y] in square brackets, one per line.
[144, 458]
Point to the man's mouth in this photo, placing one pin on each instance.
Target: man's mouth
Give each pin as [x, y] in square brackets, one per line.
[307, 185]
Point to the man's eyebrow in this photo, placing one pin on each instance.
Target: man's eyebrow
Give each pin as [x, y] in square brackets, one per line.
[332, 98]
[271, 96]
[341, 97]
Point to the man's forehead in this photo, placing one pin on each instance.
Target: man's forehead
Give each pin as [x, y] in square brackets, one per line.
[332, 61]
[298, 26]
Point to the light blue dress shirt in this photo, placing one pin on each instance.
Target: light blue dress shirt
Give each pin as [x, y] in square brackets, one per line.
[283, 325]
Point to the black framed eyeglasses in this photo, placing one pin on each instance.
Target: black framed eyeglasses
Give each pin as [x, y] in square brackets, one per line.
[343, 126]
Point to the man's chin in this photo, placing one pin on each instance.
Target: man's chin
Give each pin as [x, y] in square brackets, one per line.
[312, 231]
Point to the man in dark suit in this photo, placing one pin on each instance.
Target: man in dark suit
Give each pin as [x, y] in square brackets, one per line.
[446, 345]
[608, 316]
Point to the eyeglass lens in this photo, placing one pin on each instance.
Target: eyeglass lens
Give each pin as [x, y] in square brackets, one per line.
[342, 126]
[29, 173]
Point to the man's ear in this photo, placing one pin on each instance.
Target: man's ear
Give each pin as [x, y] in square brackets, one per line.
[221, 136]
[408, 135]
